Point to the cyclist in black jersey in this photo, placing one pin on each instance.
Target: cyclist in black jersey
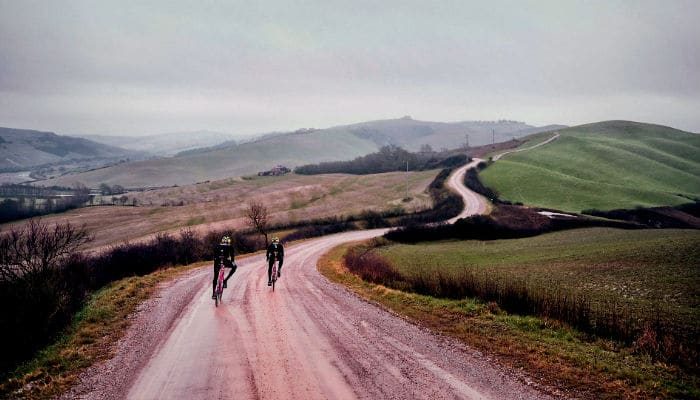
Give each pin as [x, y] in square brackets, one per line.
[275, 252]
[223, 257]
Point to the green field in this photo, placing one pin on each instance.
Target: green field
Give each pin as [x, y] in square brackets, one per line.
[603, 166]
[648, 276]
[648, 271]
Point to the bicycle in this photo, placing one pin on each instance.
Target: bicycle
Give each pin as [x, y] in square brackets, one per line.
[274, 273]
[219, 286]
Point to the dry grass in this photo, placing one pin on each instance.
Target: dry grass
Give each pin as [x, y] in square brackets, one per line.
[221, 204]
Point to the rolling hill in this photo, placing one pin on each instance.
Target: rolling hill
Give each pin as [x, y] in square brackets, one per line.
[606, 165]
[296, 148]
[167, 144]
[22, 149]
[412, 134]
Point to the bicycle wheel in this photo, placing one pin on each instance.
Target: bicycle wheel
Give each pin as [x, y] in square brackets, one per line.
[219, 287]
[274, 275]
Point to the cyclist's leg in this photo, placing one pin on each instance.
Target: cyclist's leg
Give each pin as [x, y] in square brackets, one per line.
[217, 266]
[269, 270]
[233, 267]
[279, 267]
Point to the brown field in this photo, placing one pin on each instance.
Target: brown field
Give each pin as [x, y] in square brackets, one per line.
[221, 204]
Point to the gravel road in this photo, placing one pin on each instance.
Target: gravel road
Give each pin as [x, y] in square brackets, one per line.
[310, 339]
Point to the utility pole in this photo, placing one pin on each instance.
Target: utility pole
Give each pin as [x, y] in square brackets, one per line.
[406, 181]
[493, 136]
[466, 145]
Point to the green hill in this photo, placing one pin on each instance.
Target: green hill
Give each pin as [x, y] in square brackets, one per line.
[606, 165]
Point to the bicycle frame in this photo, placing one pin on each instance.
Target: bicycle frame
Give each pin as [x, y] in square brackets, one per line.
[274, 273]
[220, 286]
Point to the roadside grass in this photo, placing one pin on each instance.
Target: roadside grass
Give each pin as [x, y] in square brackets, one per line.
[551, 353]
[604, 166]
[89, 339]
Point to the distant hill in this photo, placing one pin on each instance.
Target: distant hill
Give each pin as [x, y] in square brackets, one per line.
[412, 134]
[167, 144]
[606, 165]
[292, 149]
[23, 149]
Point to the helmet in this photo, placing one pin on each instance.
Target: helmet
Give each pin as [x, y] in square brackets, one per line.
[275, 239]
[226, 241]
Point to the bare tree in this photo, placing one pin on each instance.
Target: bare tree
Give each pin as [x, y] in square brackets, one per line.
[37, 248]
[118, 189]
[257, 218]
[105, 189]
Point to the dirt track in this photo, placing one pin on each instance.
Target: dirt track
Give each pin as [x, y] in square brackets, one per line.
[473, 203]
[498, 156]
[309, 339]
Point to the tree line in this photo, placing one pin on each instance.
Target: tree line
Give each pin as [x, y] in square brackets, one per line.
[389, 158]
[24, 201]
[28, 201]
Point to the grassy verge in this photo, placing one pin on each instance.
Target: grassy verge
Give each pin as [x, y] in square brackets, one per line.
[90, 338]
[547, 350]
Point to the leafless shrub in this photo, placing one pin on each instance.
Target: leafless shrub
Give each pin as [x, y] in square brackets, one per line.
[257, 215]
[37, 247]
[39, 288]
[372, 267]
[648, 342]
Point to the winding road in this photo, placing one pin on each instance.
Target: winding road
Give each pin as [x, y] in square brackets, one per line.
[310, 339]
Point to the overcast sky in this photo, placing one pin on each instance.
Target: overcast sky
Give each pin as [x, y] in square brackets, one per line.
[122, 67]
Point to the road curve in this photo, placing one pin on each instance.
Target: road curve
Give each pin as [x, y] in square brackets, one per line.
[474, 203]
[310, 339]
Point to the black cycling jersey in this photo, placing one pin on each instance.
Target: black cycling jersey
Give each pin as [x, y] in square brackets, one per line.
[275, 251]
[223, 257]
[222, 251]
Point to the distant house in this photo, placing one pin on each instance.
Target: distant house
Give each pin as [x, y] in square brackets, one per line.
[275, 171]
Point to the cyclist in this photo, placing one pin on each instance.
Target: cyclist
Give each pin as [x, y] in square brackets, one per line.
[275, 251]
[223, 257]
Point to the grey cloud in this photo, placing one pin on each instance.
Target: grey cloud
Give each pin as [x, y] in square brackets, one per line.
[127, 67]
